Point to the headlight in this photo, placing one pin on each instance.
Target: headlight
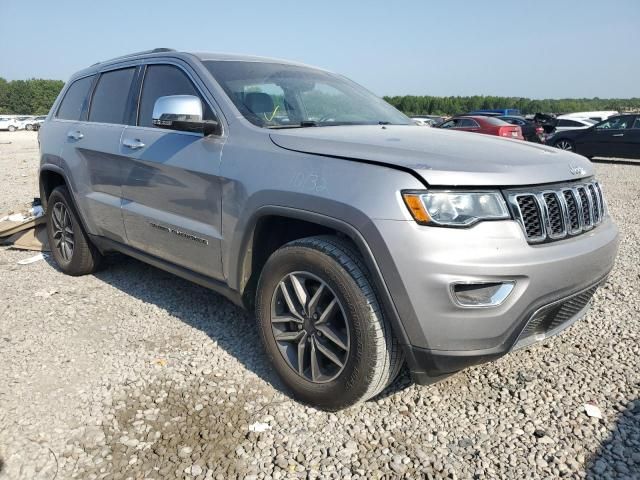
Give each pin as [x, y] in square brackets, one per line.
[455, 209]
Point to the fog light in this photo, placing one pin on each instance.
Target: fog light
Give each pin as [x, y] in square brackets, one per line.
[482, 294]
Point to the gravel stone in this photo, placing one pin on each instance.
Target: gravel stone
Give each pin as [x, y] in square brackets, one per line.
[135, 373]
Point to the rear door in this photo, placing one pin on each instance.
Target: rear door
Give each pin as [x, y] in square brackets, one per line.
[91, 132]
[94, 146]
[172, 194]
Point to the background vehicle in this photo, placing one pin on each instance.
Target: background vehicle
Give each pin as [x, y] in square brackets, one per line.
[430, 120]
[617, 136]
[497, 111]
[34, 123]
[596, 116]
[300, 195]
[483, 124]
[569, 123]
[10, 124]
[530, 130]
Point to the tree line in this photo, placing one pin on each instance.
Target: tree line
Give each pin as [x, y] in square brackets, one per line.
[29, 97]
[427, 105]
[35, 97]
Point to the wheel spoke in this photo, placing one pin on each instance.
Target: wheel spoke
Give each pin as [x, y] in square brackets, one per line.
[285, 319]
[328, 311]
[68, 230]
[288, 336]
[57, 220]
[70, 241]
[289, 300]
[313, 303]
[65, 249]
[302, 347]
[328, 353]
[331, 335]
[301, 291]
[315, 367]
[58, 241]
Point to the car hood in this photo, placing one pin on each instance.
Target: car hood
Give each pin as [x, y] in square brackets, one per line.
[441, 157]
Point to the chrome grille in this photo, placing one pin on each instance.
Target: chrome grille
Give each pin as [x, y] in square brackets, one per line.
[558, 212]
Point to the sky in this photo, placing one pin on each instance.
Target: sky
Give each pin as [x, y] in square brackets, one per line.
[535, 48]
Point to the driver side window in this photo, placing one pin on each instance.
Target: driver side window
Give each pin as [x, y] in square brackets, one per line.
[162, 81]
[615, 123]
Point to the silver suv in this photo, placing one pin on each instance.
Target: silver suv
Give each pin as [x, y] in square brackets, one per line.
[361, 241]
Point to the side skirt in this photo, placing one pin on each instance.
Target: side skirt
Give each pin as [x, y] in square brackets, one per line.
[107, 245]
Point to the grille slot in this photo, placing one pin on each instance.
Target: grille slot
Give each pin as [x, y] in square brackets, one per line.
[572, 211]
[554, 316]
[595, 203]
[531, 218]
[556, 212]
[586, 207]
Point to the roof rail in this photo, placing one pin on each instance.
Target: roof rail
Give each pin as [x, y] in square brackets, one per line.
[155, 50]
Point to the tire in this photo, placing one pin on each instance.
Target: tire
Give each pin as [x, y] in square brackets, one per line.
[28, 127]
[565, 144]
[12, 128]
[70, 246]
[372, 357]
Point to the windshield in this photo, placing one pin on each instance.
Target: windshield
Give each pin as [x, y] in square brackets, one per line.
[272, 95]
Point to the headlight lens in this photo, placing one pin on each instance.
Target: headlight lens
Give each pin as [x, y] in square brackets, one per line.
[455, 209]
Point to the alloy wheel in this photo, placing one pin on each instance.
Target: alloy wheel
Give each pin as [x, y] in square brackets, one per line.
[564, 145]
[63, 235]
[310, 327]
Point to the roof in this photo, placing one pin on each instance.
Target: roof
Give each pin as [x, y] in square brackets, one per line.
[202, 56]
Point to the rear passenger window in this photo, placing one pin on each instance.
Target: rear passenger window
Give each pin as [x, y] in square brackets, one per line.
[109, 101]
[161, 81]
[73, 101]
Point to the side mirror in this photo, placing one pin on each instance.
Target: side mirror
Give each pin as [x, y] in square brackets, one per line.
[183, 113]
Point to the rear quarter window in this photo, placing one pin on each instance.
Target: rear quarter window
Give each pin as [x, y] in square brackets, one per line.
[74, 99]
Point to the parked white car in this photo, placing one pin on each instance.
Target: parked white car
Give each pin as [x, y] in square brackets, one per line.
[596, 116]
[10, 124]
[572, 123]
[33, 123]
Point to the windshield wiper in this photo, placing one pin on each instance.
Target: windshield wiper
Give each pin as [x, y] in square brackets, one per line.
[305, 124]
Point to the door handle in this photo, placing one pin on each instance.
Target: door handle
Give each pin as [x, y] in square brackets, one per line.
[132, 144]
[75, 134]
[618, 135]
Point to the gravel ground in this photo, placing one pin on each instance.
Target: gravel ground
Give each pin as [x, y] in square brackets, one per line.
[133, 373]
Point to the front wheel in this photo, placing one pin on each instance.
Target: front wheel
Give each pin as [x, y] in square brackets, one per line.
[564, 144]
[12, 128]
[322, 325]
[28, 127]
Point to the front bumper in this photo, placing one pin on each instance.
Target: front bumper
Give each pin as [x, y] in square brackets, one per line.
[445, 337]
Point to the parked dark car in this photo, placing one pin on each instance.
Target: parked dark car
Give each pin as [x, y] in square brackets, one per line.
[530, 131]
[483, 124]
[617, 136]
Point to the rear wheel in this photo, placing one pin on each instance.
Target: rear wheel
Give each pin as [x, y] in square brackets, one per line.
[564, 144]
[28, 127]
[12, 128]
[322, 326]
[70, 246]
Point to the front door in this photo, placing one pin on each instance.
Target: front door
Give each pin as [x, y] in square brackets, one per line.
[172, 194]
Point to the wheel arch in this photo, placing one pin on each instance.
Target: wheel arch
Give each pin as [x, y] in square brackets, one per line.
[259, 242]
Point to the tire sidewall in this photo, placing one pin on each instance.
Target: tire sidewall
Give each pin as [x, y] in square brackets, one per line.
[353, 380]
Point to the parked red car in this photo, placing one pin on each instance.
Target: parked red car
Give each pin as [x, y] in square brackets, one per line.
[482, 124]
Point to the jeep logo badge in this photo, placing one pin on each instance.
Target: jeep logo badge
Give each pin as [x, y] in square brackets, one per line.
[576, 170]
